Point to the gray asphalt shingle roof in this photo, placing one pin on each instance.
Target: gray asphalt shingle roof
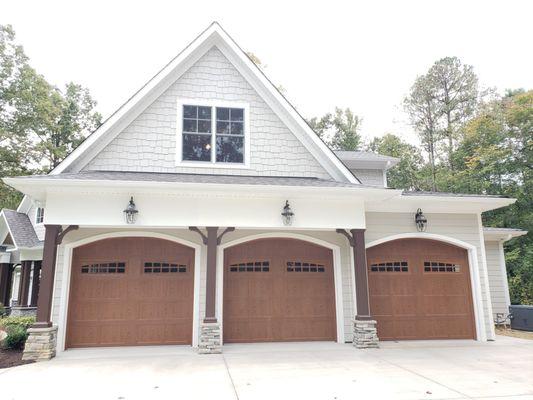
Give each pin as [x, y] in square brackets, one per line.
[21, 229]
[198, 178]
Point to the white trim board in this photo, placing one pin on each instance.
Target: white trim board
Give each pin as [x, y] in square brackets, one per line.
[67, 266]
[479, 315]
[337, 272]
[214, 35]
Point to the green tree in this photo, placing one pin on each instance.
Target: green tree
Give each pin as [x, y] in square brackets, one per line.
[340, 130]
[495, 156]
[455, 87]
[424, 111]
[39, 125]
[407, 173]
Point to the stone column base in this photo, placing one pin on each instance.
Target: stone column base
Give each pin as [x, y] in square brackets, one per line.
[365, 334]
[41, 344]
[210, 339]
[20, 311]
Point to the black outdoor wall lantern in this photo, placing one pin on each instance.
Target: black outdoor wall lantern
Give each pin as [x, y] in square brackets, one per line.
[421, 221]
[287, 214]
[130, 213]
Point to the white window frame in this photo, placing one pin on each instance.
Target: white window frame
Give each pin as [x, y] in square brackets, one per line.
[37, 215]
[213, 104]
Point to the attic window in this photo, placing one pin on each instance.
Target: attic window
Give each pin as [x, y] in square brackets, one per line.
[39, 215]
[214, 134]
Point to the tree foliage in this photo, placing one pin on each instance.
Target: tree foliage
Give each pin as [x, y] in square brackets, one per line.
[340, 129]
[39, 124]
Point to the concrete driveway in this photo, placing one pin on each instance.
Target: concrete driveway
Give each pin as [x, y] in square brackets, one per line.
[407, 370]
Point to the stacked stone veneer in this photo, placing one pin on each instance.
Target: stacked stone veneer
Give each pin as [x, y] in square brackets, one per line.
[41, 344]
[365, 334]
[210, 339]
[18, 311]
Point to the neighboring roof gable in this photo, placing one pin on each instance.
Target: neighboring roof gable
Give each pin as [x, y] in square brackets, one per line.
[214, 35]
[20, 229]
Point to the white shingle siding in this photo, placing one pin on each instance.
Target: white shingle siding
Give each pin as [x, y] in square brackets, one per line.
[371, 177]
[497, 279]
[464, 227]
[149, 142]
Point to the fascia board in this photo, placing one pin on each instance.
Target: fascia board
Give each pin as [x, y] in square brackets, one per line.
[43, 185]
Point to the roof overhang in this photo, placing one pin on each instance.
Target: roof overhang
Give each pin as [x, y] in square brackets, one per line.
[501, 234]
[214, 35]
[441, 204]
[38, 188]
[375, 199]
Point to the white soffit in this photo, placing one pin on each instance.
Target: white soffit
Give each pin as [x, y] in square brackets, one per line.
[214, 35]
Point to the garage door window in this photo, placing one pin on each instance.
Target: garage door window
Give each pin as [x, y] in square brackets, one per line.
[395, 266]
[163, 267]
[252, 266]
[299, 266]
[433, 266]
[104, 268]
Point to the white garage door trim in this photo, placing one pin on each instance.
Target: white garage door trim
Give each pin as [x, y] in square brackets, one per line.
[339, 312]
[67, 266]
[481, 334]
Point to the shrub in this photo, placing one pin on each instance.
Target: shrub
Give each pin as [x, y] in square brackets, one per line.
[2, 310]
[23, 322]
[16, 337]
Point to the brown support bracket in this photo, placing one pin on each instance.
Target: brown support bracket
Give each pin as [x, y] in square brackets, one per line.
[348, 236]
[64, 232]
[195, 229]
[227, 230]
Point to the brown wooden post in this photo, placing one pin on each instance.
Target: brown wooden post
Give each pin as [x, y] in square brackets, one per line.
[6, 276]
[211, 277]
[361, 274]
[44, 303]
[35, 283]
[24, 286]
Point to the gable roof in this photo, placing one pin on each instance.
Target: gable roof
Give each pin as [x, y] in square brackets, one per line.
[214, 35]
[20, 229]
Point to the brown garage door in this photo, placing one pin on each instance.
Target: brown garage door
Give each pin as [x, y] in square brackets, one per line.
[278, 290]
[131, 291]
[420, 289]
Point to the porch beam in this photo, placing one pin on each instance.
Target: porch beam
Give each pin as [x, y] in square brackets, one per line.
[24, 285]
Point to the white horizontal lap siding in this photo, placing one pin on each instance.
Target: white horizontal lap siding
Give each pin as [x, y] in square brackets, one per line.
[498, 289]
[463, 227]
[149, 142]
[372, 177]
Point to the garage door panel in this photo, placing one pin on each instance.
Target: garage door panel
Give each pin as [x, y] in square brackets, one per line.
[296, 296]
[431, 298]
[404, 306]
[126, 303]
